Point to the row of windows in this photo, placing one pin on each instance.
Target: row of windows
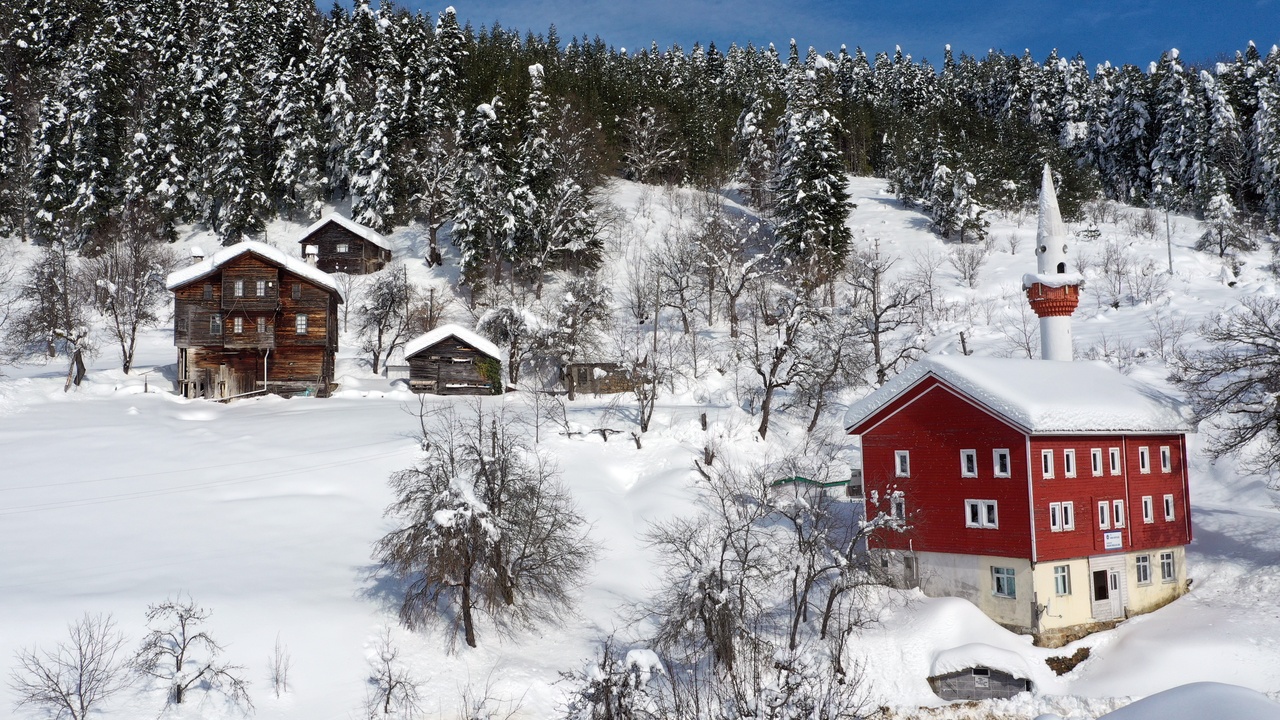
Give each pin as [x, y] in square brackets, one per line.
[260, 289]
[1001, 468]
[1004, 580]
[237, 324]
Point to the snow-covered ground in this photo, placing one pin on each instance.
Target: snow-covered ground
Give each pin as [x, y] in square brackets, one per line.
[264, 510]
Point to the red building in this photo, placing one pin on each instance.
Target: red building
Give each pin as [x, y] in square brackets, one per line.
[1051, 493]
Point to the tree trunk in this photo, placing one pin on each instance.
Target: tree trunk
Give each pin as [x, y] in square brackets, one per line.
[766, 405]
[468, 623]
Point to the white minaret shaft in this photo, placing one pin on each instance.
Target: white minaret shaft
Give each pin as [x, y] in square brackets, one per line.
[1053, 298]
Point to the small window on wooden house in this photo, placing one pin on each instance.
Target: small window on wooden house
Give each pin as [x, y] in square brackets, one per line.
[902, 463]
[1144, 460]
[297, 291]
[208, 291]
[1069, 463]
[341, 247]
[237, 325]
[582, 376]
[261, 288]
[1115, 460]
[1166, 459]
[1168, 508]
[1001, 461]
[262, 326]
[1104, 514]
[238, 288]
[969, 463]
[1046, 463]
[1117, 513]
[1095, 458]
[215, 324]
[300, 324]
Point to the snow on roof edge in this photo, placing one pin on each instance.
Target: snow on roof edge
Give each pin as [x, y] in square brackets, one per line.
[182, 276]
[469, 337]
[367, 233]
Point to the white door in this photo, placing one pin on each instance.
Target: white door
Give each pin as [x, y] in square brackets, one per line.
[1117, 608]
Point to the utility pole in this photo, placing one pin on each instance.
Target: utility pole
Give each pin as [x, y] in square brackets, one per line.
[1168, 239]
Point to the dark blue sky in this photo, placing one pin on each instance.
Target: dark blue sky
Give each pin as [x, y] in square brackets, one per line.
[1117, 30]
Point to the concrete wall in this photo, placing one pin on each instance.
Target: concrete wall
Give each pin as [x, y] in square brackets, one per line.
[969, 577]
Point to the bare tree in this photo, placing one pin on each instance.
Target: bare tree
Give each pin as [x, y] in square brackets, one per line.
[129, 277]
[514, 327]
[392, 688]
[1233, 383]
[1167, 332]
[652, 150]
[279, 664]
[886, 309]
[1020, 327]
[349, 287]
[77, 676]
[675, 266]
[735, 255]
[487, 528]
[968, 261]
[773, 341]
[385, 314]
[618, 687]
[52, 311]
[436, 174]
[179, 652]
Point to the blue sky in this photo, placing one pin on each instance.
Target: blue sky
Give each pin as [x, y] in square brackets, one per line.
[1119, 31]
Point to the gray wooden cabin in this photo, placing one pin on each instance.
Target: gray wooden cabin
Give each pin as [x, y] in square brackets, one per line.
[451, 360]
[345, 246]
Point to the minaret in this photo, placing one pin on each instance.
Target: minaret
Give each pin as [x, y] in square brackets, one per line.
[1053, 292]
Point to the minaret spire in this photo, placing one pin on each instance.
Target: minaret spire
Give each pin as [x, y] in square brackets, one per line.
[1052, 291]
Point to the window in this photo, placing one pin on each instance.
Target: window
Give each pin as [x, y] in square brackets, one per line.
[1001, 458]
[1003, 582]
[238, 290]
[902, 463]
[1168, 508]
[261, 288]
[1062, 579]
[1095, 456]
[968, 463]
[208, 291]
[1062, 516]
[1166, 459]
[1148, 510]
[1104, 515]
[215, 324]
[981, 514]
[1144, 460]
[1166, 567]
[262, 326]
[1046, 463]
[300, 324]
[899, 505]
[297, 291]
[1115, 461]
[1068, 516]
[1055, 517]
[1117, 513]
[1142, 564]
[341, 247]
[1069, 463]
[237, 325]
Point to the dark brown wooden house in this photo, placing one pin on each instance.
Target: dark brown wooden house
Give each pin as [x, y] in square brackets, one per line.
[452, 360]
[342, 245]
[252, 319]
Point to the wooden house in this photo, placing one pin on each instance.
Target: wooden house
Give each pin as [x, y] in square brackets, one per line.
[341, 245]
[452, 360]
[250, 319]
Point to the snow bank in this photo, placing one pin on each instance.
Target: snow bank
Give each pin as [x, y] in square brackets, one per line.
[1043, 396]
[1198, 701]
[980, 655]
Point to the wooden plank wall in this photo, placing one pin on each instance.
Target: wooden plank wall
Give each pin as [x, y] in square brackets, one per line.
[448, 368]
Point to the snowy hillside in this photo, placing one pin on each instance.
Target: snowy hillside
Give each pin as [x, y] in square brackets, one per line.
[119, 494]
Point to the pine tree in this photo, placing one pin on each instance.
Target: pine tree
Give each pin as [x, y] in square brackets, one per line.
[484, 219]
[371, 160]
[755, 151]
[1175, 163]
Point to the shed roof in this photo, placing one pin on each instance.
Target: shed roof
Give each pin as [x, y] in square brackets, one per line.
[367, 233]
[182, 276]
[469, 337]
[1042, 396]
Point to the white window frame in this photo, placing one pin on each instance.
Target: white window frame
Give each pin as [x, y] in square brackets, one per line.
[237, 325]
[1095, 458]
[1055, 517]
[342, 247]
[1069, 463]
[988, 514]
[262, 326]
[969, 463]
[1046, 464]
[1142, 569]
[1062, 580]
[300, 324]
[1068, 516]
[1169, 512]
[1004, 582]
[1144, 460]
[215, 324]
[1148, 510]
[1117, 513]
[261, 288]
[237, 288]
[1113, 454]
[1166, 459]
[898, 506]
[1104, 515]
[1168, 571]
[902, 463]
[996, 456]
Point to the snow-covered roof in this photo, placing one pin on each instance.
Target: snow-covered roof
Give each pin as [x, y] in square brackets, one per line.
[207, 266]
[1043, 396]
[367, 233]
[975, 655]
[470, 337]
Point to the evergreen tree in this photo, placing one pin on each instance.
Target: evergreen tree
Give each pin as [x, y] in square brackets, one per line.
[755, 151]
[484, 219]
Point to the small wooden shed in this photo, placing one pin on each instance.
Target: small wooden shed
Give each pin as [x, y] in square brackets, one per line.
[597, 378]
[345, 246]
[452, 360]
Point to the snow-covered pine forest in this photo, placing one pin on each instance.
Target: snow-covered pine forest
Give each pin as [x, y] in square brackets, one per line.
[759, 240]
